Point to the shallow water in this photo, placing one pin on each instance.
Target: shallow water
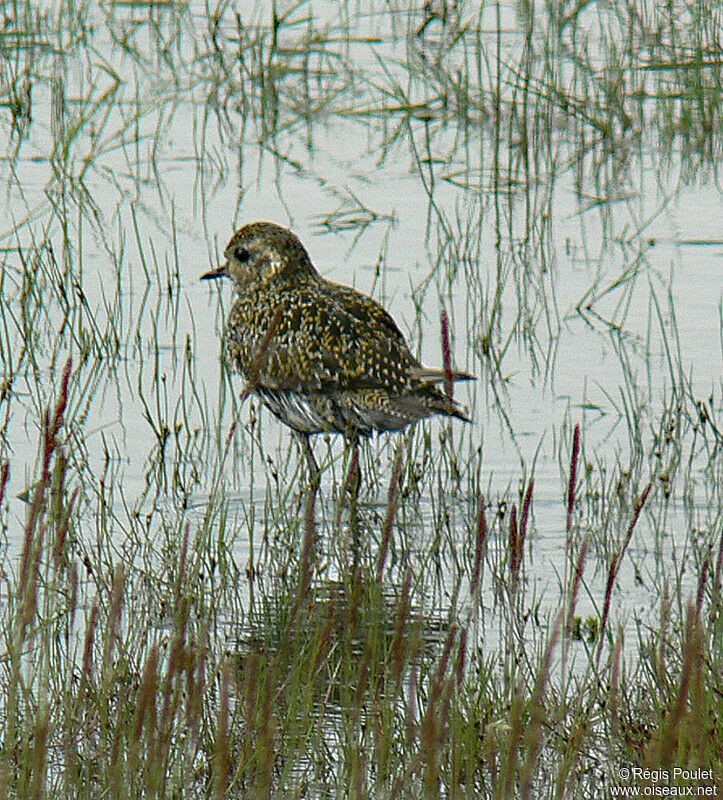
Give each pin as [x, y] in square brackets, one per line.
[151, 136]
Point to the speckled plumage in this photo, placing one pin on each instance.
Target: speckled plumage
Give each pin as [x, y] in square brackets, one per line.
[321, 356]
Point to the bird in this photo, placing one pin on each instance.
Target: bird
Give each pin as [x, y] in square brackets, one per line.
[321, 356]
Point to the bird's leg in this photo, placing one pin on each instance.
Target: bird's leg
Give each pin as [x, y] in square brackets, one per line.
[309, 541]
[313, 467]
[352, 483]
[354, 480]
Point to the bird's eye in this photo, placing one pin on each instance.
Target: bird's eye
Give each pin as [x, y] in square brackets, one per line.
[242, 254]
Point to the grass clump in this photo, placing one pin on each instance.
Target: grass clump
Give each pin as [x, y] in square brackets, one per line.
[138, 681]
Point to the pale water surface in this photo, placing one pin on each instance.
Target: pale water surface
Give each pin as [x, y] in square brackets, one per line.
[576, 246]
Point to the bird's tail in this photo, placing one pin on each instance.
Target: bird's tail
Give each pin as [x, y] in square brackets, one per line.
[454, 409]
[430, 377]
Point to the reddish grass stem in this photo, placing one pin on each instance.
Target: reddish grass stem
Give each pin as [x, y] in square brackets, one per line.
[514, 547]
[571, 485]
[446, 355]
[479, 547]
[576, 581]
[615, 563]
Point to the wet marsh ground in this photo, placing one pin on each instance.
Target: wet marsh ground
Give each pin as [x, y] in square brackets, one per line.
[537, 602]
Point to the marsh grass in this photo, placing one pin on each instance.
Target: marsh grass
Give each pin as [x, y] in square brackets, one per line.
[180, 615]
[153, 681]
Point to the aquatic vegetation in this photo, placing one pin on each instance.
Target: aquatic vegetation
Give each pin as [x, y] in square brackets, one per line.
[536, 605]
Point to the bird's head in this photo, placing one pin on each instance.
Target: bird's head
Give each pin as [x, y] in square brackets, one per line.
[260, 254]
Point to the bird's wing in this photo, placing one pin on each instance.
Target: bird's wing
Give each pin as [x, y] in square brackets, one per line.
[337, 339]
[364, 308]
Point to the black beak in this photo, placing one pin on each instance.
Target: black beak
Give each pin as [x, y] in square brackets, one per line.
[219, 272]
